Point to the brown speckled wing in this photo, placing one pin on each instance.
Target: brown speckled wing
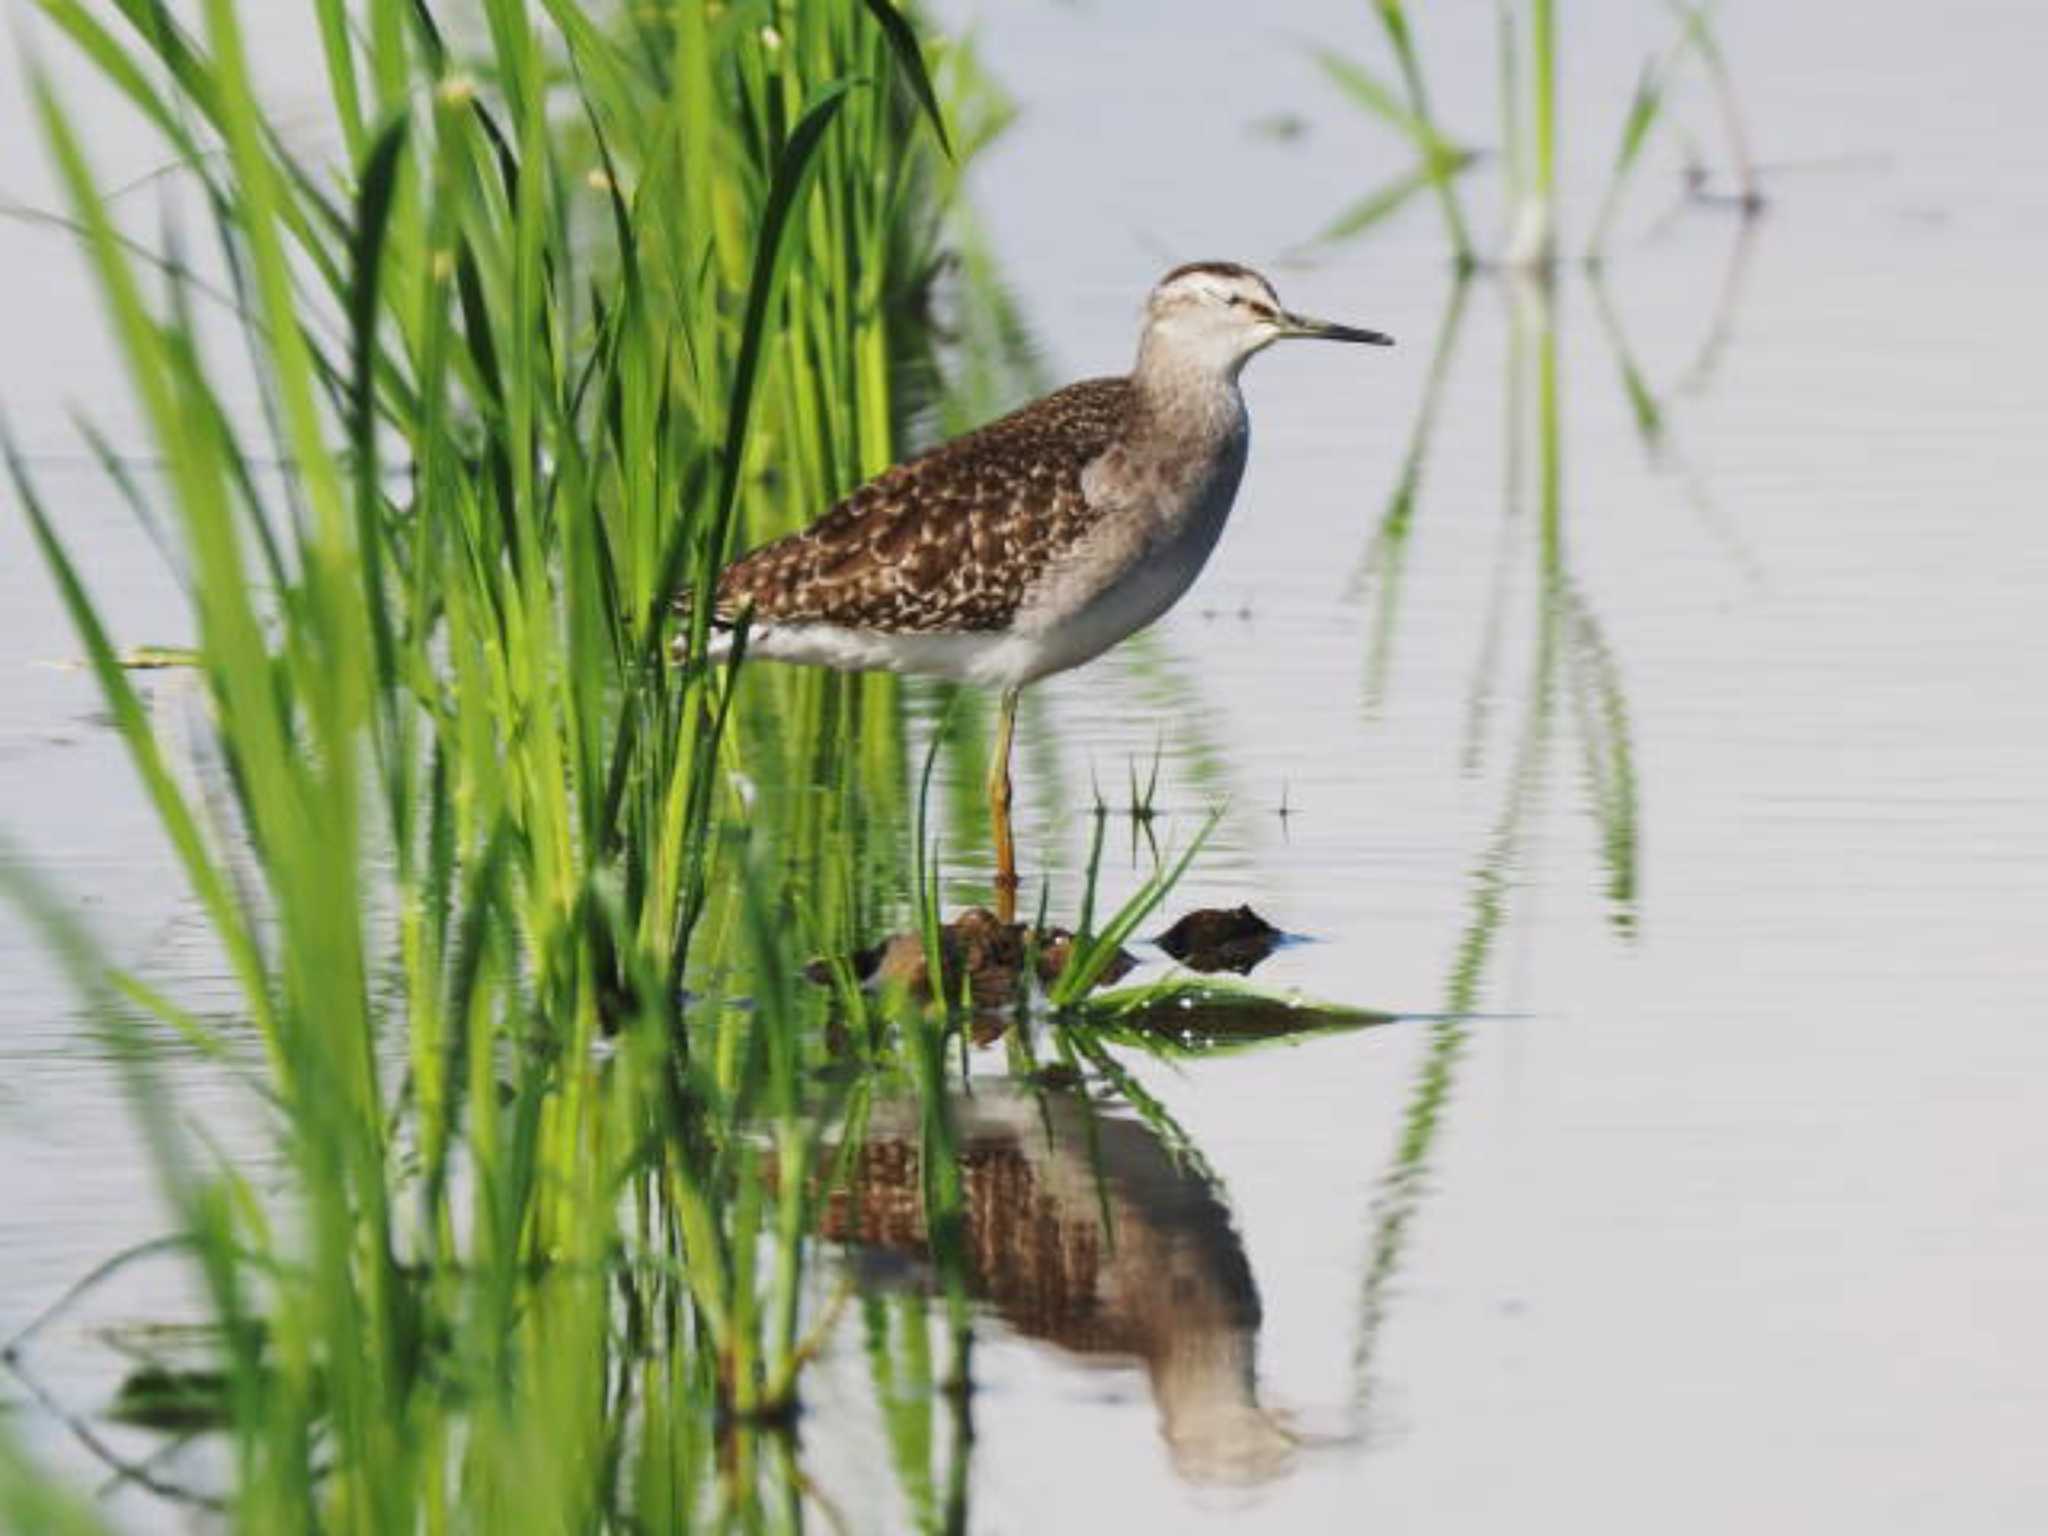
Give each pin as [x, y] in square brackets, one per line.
[947, 542]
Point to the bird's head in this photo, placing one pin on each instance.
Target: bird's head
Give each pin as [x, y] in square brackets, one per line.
[1217, 314]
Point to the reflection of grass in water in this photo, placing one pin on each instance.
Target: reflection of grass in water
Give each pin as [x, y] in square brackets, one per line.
[1651, 408]
[897, 1331]
[1602, 712]
[1528, 111]
[1379, 574]
[1572, 668]
[1402, 1189]
[1572, 663]
[1163, 683]
[1644, 406]
[1696, 376]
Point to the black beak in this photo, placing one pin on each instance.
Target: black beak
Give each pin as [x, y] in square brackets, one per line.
[1330, 330]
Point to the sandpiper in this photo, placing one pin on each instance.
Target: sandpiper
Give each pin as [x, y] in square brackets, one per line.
[1042, 539]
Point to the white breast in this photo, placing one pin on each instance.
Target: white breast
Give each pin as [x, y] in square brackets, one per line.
[1141, 564]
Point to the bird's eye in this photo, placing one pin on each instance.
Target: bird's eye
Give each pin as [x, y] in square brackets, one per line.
[1234, 300]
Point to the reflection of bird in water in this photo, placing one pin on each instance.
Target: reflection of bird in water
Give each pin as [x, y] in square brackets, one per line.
[1083, 1231]
[1039, 541]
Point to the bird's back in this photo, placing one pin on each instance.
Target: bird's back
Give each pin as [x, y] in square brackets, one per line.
[950, 541]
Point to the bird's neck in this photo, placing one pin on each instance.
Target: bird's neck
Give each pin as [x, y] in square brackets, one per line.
[1185, 399]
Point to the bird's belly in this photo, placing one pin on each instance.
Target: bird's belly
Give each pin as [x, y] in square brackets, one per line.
[1127, 601]
[1118, 611]
[992, 657]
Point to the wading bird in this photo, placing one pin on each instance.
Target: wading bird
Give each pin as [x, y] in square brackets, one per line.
[1042, 539]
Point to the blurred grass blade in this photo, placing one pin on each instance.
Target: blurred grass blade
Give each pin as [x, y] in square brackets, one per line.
[1440, 160]
[1388, 199]
[1377, 97]
[379, 183]
[794, 169]
[1644, 109]
[122, 69]
[910, 58]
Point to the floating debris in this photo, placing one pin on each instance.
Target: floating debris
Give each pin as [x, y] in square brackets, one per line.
[1280, 127]
[137, 658]
[1215, 939]
[990, 953]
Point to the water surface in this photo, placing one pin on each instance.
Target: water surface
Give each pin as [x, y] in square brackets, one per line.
[1706, 793]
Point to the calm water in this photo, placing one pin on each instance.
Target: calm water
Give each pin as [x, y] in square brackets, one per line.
[1714, 797]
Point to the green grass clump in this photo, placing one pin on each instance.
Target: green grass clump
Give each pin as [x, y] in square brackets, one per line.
[515, 908]
[518, 963]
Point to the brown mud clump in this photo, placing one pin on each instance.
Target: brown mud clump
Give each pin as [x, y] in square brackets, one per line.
[990, 953]
[1218, 939]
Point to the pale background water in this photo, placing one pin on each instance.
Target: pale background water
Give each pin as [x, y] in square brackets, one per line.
[1736, 1209]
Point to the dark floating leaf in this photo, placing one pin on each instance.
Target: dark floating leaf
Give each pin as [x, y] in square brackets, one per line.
[1219, 939]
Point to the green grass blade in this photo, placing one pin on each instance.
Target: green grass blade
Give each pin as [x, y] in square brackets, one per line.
[1378, 205]
[910, 59]
[1644, 109]
[1440, 157]
[1091, 954]
[122, 69]
[795, 169]
[378, 186]
[1376, 96]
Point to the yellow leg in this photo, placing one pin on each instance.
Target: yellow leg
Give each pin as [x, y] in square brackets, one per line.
[999, 810]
